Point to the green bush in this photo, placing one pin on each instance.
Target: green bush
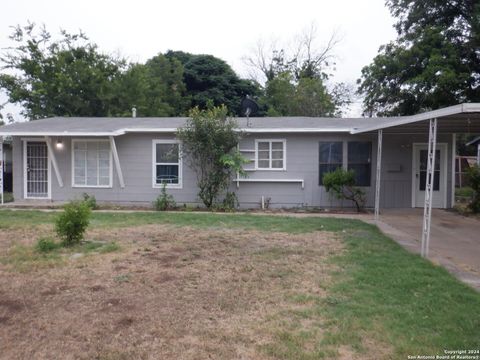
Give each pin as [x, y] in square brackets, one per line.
[474, 176]
[45, 245]
[342, 183]
[164, 201]
[72, 223]
[229, 203]
[90, 201]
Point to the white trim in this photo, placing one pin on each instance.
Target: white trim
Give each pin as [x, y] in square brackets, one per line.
[154, 164]
[110, 184]
[378, 172]
[454, 153]
[53, 159]
[284, 141]
[25, 192]
[113, 149]
[301, 181]
[444, 147]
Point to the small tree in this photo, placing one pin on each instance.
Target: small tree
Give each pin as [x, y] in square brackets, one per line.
[342, 183]
[209, 141]
[72, 223]
[474, 177]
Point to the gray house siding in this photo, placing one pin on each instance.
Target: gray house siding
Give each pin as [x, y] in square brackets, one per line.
[302, 157]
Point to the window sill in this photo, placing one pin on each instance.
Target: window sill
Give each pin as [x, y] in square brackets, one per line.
[159, 186]
[92, 186]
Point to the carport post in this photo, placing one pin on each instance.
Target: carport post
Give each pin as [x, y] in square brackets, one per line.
[427, 208]
[378, 174]
[1, 168]
[478, 153]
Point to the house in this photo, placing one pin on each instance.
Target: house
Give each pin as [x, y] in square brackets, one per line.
[123, 160]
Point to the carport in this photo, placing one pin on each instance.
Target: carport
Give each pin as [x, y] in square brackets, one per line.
[459, 119]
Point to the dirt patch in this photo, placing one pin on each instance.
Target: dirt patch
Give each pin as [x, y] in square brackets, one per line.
[190, 294]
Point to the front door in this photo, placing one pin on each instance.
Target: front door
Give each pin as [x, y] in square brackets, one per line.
[420, 156]
[36, 170]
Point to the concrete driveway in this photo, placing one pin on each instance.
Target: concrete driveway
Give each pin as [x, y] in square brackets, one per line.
[454, 239]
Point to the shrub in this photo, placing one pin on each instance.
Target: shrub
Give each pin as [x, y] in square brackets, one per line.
[230, 202]
[474, 176]
[72, 223]
[342, 183]
[164, 201]
[209, 139]
[45, 245]
[90, 201]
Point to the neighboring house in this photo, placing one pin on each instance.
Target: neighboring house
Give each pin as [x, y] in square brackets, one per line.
[476, 141]
[124, 160]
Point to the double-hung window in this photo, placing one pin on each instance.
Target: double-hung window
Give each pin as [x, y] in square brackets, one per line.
[92, 163]
[167, 163]
[330, 158]
[360, 161]
[270, 154]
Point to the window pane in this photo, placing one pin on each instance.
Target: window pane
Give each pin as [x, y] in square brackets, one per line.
[167, 153]
[104, 181]
[362, 174]
[263, 164]
[277, 145]
[92, 181]
[359, 152]
[264, 155]
[331, 152]
[80, 145]
[277, 154]
[263, 146]
[277, 164]
[359, 160]
[167, 174]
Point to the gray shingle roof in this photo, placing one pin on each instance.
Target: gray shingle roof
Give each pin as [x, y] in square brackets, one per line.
[103, 126]
[462, 116]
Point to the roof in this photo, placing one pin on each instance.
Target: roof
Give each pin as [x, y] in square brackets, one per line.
[111, 126]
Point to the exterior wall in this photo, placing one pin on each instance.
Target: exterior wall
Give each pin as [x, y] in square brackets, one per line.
[396, 178]
[135, 154]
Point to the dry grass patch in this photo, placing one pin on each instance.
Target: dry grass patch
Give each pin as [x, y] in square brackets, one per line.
[170, 293]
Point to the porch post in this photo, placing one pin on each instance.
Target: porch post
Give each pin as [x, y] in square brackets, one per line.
[427, 208]
[117, 161]
[53, 159]
[378, 174]
[1, 168]
[478, 153]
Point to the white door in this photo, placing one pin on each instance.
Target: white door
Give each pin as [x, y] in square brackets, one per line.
[36, 170]
[439, 196]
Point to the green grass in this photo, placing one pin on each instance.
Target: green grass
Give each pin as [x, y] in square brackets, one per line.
[47, 253]
[404, 303]
[17, 219]
[465, 191]
[7, 197]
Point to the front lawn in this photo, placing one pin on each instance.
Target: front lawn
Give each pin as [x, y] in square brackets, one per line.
[224, 286]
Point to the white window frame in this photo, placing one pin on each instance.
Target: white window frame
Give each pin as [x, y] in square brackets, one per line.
[154, 164]
[284, 141]
[110, 175]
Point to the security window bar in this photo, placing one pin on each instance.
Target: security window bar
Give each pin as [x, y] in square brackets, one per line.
[271, 155]
[167, 164]
[360, 161]
[92, 164]
[330, 158]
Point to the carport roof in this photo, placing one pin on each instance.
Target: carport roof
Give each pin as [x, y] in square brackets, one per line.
[459, 118]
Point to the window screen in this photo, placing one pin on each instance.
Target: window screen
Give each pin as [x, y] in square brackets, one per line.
[360, 161]
[330, 158]
[167, 163]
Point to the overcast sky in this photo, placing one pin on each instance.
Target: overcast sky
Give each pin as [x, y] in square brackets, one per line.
[227, 29]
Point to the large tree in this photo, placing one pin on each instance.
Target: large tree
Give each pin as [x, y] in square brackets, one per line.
[434, 62]
[208, 78]
[298, 79]
[63, 77]
[155, 88]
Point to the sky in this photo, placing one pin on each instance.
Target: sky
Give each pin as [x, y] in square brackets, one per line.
[229, 30]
